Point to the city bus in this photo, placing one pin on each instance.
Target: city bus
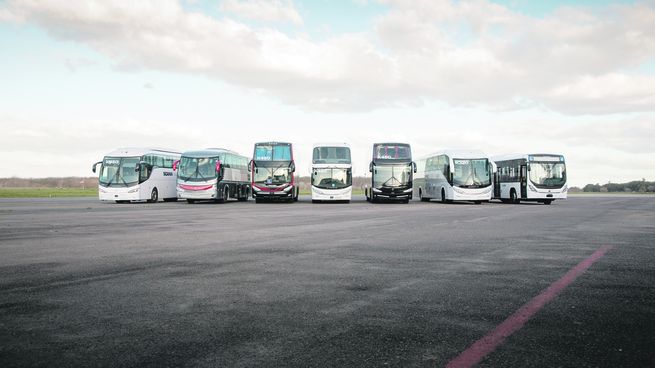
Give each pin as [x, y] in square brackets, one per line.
[331, 174]
[137, 174]
[214, 174]
[538, 177]
[392, 172]
[273, 169]
[454, 175]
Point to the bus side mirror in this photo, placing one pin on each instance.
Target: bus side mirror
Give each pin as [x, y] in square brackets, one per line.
[414, 167]
[93, 168]
[370, 167]
[250, 166]
[292, 167]
[137, 168]
[176, 164]
[218, 166]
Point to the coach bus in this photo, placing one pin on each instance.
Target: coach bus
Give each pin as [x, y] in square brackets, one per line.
[392, 172]
[213, 174]
[137, 174]
[273, 171]
[537, 177]
[331, 174]
[454, 175]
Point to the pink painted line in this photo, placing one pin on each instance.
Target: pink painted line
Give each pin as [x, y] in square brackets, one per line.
[481, 348]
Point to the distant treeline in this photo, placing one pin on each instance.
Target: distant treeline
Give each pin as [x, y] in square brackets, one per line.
[89, 182]
[67, 182]
[641, 186]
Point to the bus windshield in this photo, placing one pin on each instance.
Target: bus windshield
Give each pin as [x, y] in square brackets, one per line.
[119, 171]
[331, 178]
[331, 155]
[272, 175]
[547, 174]
[268, 152]
[391, 152]
[391, 175]
[471, 173]
[197, 168]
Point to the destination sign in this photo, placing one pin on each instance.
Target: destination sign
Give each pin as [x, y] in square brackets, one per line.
[547, 158]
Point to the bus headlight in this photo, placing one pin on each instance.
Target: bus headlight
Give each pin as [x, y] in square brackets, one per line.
[377, 190]
[286, 189]
[256, 189]
[458, 190]
[532, 188]
[133, 190]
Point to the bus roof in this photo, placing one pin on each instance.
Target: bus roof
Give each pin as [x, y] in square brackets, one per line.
[316, 145]
[525, 156]
[140, 151]
[272, 144]
[459, 153]
[209, 152]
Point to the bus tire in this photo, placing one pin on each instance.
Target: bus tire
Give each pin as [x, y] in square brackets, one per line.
[513, 198]
[443, 195]
[373, 199]
[406, 200]
[121, 202]
[548, 201]
[477, 202]
[295, 198]
[258, 200]
[226, 193]
[191, 201]
[173, 199]
[154, 196]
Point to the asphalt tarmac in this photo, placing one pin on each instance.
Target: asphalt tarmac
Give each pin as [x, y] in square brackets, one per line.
[84, 283]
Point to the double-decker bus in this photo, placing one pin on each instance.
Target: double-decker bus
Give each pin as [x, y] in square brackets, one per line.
[454, 175]
[137, 174]
[214, 174]
[331, 174]
[392, 172]
[539, 177]
[273, 171]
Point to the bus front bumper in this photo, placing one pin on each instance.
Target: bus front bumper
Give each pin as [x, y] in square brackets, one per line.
[120, 194]
[196, 194]
[545, 194]
[467, 194]
[286, 192]
[319, 194]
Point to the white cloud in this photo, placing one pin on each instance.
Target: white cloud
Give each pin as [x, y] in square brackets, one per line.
[463, 53]
[263, 10]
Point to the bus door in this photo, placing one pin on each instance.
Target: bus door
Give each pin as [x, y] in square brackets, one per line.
[524, 181]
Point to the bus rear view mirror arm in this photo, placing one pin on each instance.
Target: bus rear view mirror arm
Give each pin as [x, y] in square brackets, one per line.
[93, 168]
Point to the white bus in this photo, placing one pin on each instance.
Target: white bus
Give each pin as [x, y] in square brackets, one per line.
[454, 175]
[214, 174]
[137, 174]
[331, 174]
[539, 177]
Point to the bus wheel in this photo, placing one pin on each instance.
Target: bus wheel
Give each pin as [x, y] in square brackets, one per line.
[477, 202]
[443, 195]
[226, 193]
[548, 201]
[191, 201]
[173, 199]
[373, 199]
[154, 196]
[513, 198]
[295, 199]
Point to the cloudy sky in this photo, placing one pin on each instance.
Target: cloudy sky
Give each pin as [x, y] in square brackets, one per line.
[80, 78]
